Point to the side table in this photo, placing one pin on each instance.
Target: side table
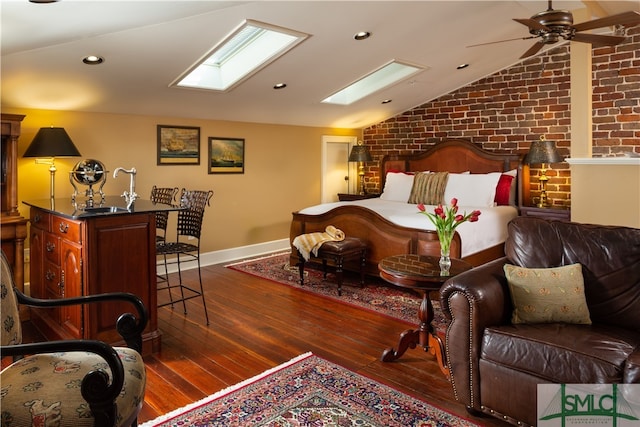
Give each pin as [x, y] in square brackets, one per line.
[562, 214]
[344, 197]
[421, 273]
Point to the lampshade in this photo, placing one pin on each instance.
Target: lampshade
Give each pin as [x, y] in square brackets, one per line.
[52, 142]
[542, 151]
[360, 153]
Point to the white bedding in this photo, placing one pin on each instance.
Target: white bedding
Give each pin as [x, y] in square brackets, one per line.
[490, 230]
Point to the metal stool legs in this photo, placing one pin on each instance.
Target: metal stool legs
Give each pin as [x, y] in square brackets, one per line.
[189, 225]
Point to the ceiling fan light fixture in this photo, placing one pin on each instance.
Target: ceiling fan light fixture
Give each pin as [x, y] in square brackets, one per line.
[552, 26]
[553, 19]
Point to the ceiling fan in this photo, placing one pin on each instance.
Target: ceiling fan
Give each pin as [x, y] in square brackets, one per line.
[553, 25]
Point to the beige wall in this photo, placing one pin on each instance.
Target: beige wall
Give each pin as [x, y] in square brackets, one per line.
[606, 191]
[282, 169]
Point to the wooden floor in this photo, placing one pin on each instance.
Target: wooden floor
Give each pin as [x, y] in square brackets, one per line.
[257, 324]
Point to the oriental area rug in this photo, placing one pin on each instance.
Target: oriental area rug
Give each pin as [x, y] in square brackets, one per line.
[375, 295]
[309, 391]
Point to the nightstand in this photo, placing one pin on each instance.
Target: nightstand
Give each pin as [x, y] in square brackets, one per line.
[562, 214]
[344, 197]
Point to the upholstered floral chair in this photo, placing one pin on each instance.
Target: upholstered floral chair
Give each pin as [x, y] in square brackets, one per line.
[69, 383]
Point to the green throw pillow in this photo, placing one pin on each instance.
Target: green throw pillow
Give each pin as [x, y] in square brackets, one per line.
[547, 295]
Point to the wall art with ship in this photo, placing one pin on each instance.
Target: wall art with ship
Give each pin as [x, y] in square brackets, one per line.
[226, 155]
[178, 145]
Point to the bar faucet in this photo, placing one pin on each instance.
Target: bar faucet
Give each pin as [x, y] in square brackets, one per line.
[129, 196]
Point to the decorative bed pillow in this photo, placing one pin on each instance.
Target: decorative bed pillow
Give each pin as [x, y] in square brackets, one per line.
[428, 188]
[503, 190]
[397, 187]
[547, 295]
[512, 188]
[478, 190]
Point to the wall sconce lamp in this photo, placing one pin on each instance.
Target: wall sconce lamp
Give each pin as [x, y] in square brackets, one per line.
[48, 144]
[543, 152]
[360, 153]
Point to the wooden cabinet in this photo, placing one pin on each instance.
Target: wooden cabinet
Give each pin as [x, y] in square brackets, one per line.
[75, 257]
[13, 227]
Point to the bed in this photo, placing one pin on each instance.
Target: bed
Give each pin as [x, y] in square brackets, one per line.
[390, 224]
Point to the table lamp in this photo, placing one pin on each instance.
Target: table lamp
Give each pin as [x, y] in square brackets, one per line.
[360, 153]
[48, 144]
[543, 152]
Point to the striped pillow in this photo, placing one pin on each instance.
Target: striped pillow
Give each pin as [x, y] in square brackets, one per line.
[428, 188]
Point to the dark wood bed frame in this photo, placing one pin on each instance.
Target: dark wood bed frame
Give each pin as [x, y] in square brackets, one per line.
[384, 238]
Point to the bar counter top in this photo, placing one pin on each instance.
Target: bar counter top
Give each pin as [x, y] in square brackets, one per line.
[111, 205]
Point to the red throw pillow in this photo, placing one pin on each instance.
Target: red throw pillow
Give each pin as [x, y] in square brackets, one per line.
[503, 190]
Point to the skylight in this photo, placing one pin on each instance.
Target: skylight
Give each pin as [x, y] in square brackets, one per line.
[248, 49]
[389, 74]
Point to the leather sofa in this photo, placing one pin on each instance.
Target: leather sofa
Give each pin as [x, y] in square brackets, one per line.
[496, 365]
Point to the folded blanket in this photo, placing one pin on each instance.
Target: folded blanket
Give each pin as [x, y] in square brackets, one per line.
[308, 244]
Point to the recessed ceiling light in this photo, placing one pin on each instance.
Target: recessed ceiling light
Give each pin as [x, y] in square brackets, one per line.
[386, 101]
[383, 77]
[461, 66]
[249, 48]
[279, 85]
[93, 60]
[362, 35]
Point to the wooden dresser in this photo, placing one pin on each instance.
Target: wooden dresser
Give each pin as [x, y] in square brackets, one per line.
[13, 227]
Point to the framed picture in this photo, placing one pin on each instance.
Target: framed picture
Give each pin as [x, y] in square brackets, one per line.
[226, 155]
[178, 145]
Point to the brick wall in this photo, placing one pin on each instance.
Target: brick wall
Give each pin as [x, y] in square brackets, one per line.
[506, 111]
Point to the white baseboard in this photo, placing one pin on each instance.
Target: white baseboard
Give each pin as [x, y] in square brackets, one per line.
[229, 255]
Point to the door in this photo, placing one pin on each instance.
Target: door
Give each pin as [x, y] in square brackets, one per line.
[338, 175]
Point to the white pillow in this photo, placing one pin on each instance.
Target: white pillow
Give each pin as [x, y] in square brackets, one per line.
[397, 187]
[473, 189]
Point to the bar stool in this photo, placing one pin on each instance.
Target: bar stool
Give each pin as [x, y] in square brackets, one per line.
[167, 196]
[193, 203]
[338, 252]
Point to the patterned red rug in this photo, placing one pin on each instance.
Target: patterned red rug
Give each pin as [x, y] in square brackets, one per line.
[309, 391]
[376, 295]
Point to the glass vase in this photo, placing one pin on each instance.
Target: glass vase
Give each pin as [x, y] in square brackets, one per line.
[445, 247]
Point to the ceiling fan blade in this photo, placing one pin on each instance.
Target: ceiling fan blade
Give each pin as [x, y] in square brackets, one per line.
[532, 24]
[502, 41]
[625, 18]
[597, 39]
[532, 50]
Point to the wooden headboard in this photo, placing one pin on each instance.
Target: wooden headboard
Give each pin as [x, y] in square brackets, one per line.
[451, 155]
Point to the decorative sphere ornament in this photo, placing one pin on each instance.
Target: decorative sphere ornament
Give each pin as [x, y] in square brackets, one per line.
[89, 172]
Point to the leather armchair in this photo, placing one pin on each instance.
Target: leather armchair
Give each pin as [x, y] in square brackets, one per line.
[72, 382]
[496, 366]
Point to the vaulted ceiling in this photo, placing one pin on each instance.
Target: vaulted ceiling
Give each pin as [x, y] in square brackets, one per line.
[148, 44]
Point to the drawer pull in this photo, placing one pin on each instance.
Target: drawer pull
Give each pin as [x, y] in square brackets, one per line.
[50, 276]
[63, 227]
[51, 247]
[37, 218]
[61, 284]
